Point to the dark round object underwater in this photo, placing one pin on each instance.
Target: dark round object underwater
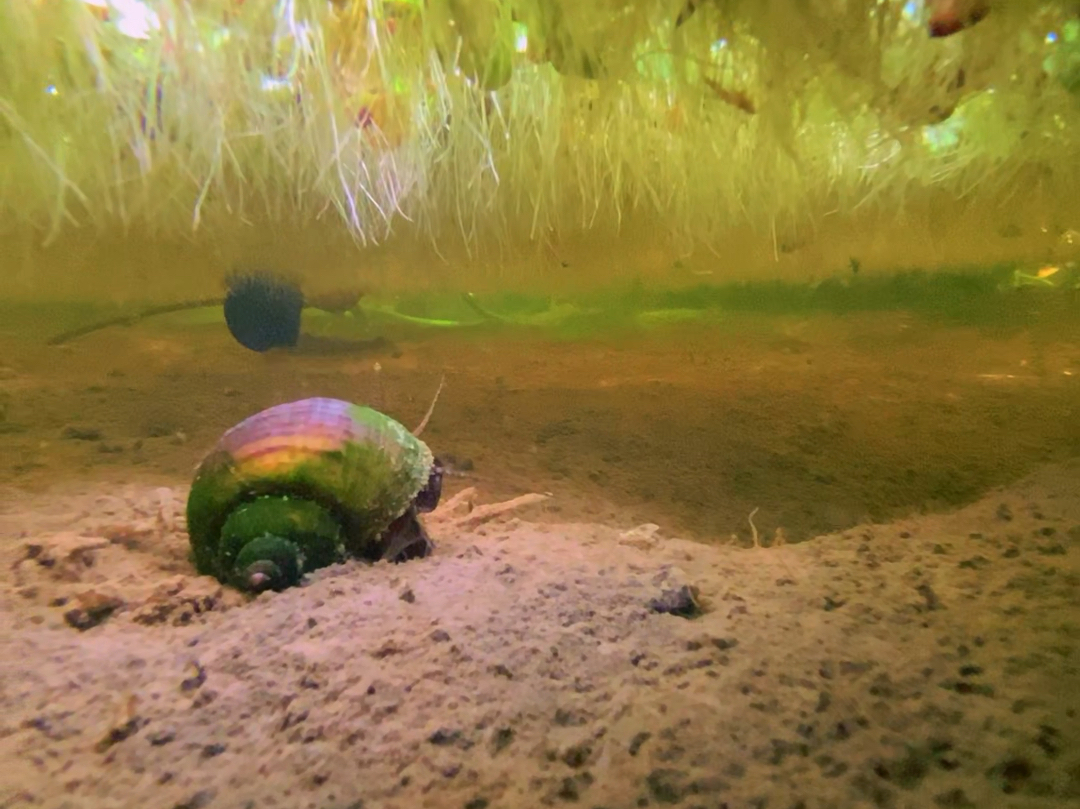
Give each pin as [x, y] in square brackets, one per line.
[262, 311]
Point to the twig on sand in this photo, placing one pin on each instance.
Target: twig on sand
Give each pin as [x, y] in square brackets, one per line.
[753, 528]
[475, 516]
[431, 408]
[778, 540]
[457, 501]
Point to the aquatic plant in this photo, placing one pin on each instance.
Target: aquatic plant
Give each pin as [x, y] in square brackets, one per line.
[500, 121]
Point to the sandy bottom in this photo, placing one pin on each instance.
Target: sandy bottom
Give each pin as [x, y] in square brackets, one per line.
[932, 662]
[920, 648]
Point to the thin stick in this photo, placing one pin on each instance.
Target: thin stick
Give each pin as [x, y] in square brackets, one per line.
[486, 513]
[431, 408]
[132, 319]
[757, 542]
[457, 501]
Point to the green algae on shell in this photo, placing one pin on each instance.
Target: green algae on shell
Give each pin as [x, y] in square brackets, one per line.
[287, 476]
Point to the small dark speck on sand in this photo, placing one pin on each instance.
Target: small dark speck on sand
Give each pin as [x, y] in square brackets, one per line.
[682, 602]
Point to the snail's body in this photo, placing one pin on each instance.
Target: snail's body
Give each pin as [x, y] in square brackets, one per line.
[304, 485]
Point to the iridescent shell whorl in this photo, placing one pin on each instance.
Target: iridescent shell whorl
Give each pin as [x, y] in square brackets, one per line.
[362, 466]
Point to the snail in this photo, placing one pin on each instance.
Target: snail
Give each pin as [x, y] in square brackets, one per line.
[307, 484]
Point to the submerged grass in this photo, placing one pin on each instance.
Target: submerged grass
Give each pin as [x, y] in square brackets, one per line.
[962, 296]
[983, 298]
[509, 125]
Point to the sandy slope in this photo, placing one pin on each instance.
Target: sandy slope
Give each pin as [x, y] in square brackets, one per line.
[932, 662]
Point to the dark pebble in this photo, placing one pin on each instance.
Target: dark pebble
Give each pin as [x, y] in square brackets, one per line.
[83, 620]
[213, 750]
[681, 602]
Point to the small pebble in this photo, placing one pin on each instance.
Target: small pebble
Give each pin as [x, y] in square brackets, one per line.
[681, 602]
